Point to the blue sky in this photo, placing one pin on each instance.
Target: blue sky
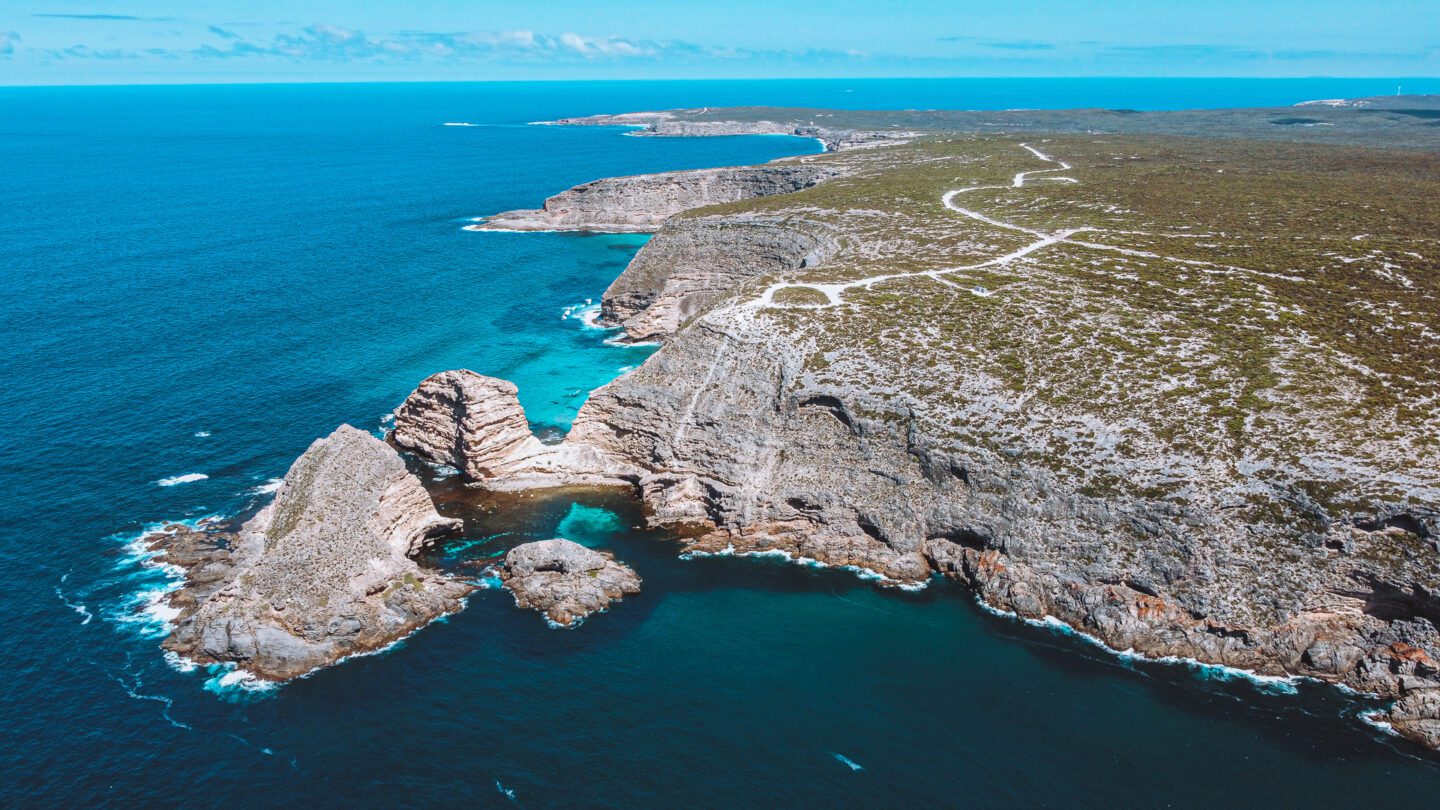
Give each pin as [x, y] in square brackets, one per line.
[120, 41]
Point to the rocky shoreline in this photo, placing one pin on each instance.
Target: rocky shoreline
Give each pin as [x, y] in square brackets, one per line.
[324, 572]
[744, 436]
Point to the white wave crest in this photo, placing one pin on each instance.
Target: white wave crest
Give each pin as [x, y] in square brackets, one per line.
[182, 479]
[77, 607]
[1282, 684]
[236, 685]
[588, 314]
[870, 575]
[270, 485]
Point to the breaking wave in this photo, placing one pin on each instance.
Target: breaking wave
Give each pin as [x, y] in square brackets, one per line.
[182, 479]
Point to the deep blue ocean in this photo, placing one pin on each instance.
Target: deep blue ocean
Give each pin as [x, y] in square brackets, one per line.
[199, 281]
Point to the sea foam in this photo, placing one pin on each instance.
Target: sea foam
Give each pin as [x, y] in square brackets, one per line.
[868, 574]
[588, 314]
[182, 479]
[1280, 684]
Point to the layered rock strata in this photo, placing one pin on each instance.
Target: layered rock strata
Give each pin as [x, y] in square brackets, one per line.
[476, 424]
[695, 260]
[325, 571]
[746, 454]
[642, 203]
[733, 435]
[565, 580]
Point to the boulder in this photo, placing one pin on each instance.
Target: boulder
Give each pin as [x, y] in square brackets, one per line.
[565, 580]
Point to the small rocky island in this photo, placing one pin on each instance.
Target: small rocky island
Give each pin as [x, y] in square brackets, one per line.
[565, 580]
[1170, 379]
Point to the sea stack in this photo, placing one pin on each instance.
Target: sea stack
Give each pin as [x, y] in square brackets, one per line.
[465, 420]
[476, 424]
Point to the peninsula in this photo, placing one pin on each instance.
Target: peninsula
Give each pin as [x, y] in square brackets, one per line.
[1171, 379]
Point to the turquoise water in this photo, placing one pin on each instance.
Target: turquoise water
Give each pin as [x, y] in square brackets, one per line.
[200, 281]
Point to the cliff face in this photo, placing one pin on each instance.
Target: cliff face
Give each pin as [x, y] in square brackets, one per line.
[476, 424]
[323, 572]
[691, 123]
[1115, 400]
[748, 452]
[642, 203]
[467, 421]
[695, 260]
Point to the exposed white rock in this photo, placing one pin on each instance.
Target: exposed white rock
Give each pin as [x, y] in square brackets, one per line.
[642, 203]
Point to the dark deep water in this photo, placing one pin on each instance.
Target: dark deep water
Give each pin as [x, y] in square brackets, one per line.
[200, 281]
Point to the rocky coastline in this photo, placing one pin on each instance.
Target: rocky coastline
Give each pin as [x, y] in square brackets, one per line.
[744, 434]
[687, 124]
[325, 571]
[642, 203]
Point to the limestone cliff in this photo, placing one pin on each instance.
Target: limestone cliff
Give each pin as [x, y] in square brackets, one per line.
[695, 260]
[323, 572]
[642, 203]
[467, 421]
[1114, 399]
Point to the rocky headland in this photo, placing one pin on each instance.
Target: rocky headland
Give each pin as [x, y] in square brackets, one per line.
[323, 572]
[880, 373]
[1178, 394]
[693, 123]
[564, 580]
[642, 203]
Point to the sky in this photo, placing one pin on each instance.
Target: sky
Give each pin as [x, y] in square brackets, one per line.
[198, 41]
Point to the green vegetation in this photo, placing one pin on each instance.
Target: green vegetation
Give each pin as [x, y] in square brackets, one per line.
[1228, 302]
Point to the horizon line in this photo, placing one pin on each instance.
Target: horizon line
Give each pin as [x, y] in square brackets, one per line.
[291, 82]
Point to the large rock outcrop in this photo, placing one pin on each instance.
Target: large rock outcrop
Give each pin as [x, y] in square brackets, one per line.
[748, 453]
[467, 421]
[565, 580]
[642, 203]
[476, 424]
[695, 260]
[323, 572]
[1416, 715]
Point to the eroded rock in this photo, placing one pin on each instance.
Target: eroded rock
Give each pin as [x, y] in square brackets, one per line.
[693, 261]
[476, 424]
[323, 572]
[465, 420]
[642, 203]
[565, 580]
